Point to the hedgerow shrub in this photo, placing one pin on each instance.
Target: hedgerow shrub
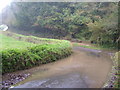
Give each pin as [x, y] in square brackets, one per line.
[20, 59]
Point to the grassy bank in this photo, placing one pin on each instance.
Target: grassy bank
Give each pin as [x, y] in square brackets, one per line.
[86, 46]
[95, 46]
[117, 67]
[22, 52]
[7, 42]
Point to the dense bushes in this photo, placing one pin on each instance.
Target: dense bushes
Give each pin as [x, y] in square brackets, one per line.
[19, 59]
[96, 22]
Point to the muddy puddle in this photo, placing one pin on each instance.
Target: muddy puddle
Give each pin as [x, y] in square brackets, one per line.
[85, 68]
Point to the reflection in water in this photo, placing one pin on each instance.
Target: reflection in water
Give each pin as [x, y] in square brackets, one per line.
[84, 68]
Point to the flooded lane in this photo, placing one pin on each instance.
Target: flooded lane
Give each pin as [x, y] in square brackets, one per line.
[85, 68]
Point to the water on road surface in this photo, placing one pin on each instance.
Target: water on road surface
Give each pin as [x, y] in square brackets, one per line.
[85, 68]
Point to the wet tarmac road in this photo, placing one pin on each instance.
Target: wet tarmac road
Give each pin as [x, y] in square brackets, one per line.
[85, 68]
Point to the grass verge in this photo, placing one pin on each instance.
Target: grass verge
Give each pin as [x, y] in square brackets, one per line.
[7, 42]
[20, 55]
[86, 46]
[117, 67]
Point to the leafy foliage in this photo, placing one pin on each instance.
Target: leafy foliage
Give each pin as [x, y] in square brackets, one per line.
[85, 21]
[105, 31]
[14, 59]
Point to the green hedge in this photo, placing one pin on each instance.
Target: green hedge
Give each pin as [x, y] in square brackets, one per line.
[20, 59]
